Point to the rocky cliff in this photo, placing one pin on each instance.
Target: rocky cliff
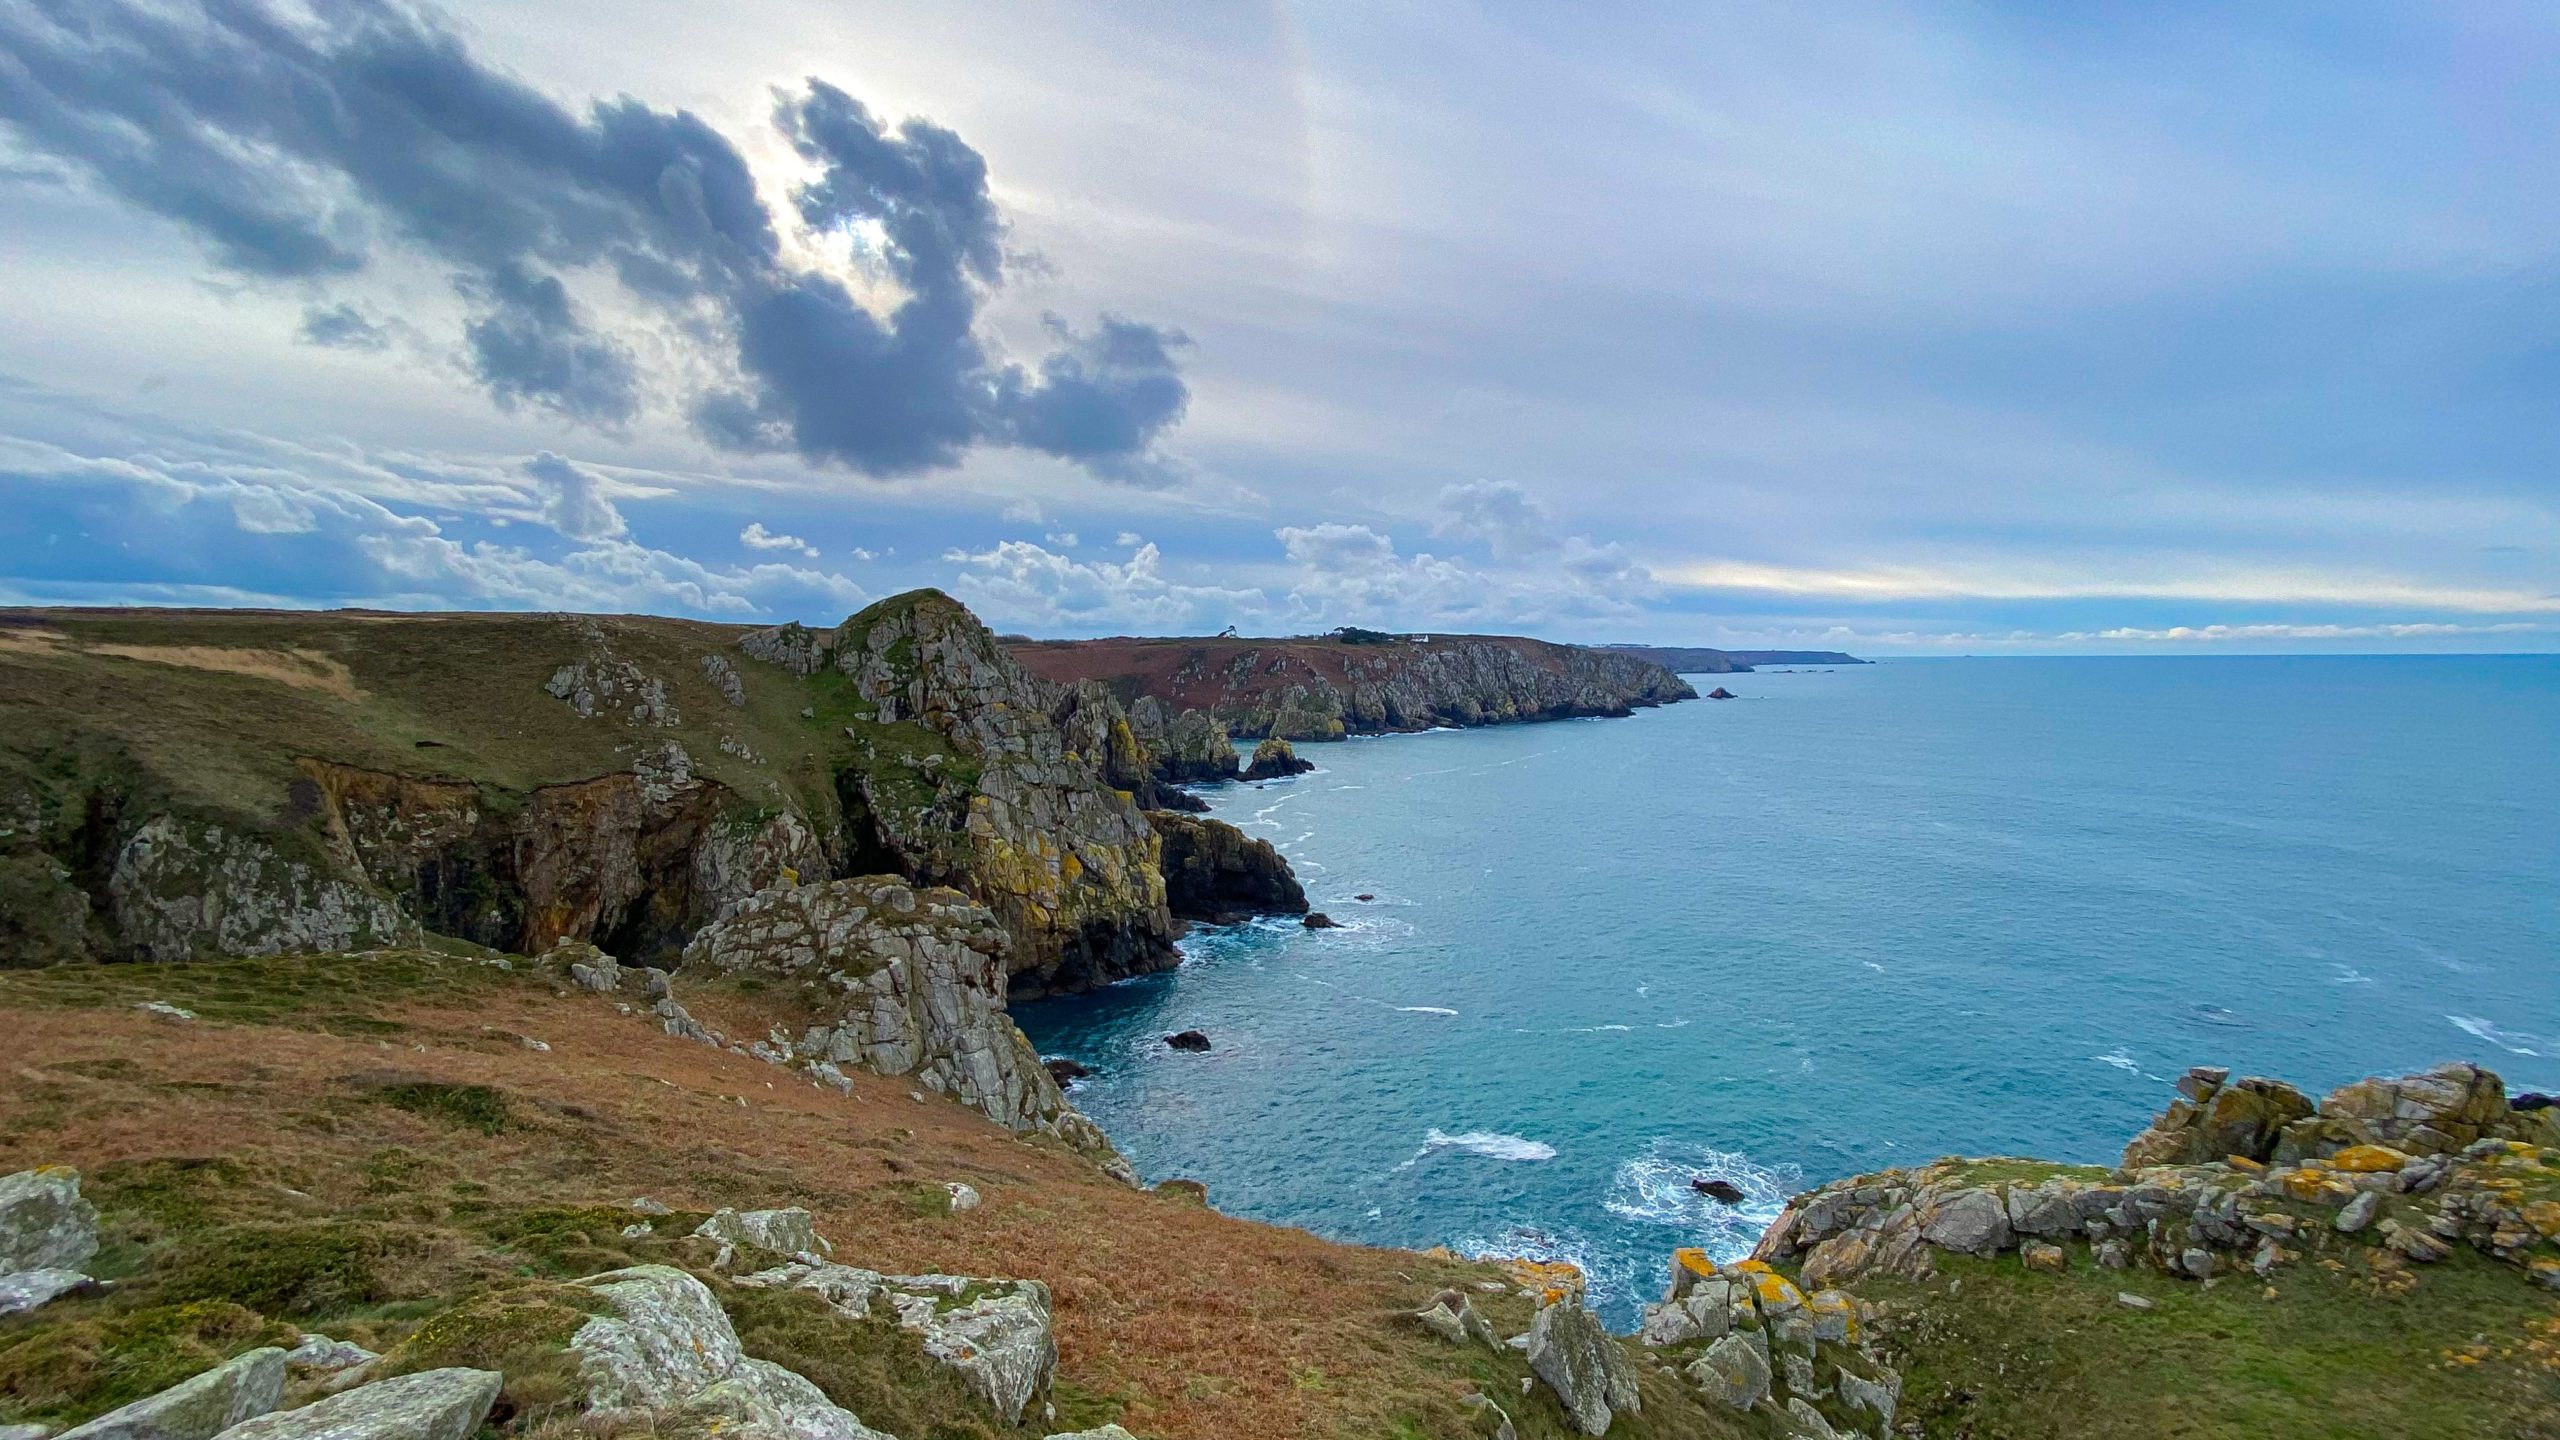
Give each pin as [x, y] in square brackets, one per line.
[1324, 689]
[176, 784]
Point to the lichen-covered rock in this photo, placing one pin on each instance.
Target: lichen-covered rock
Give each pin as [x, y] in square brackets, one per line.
[328, 1356]
[44, 1222]
[1215, 872]
[238, 1389]
[180, 889]
[995, 1334]
[2434, 1113]
[429, 1405]
[1734, 1370]
[1581, 1362]
[788, 1231]
[665, 1349]
[760, 1400]
[24, 1290]
[1275, 759]
[901, 981]
[1191, 748]
[2214, 1117]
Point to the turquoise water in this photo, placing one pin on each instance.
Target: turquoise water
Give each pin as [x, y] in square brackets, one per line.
[1849, 920]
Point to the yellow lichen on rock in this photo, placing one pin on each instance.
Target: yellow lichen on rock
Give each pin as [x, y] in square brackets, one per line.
[2368, 1159]
[1553, 1280]
[1696, 1261]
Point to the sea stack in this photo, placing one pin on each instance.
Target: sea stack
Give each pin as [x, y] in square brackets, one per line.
[1275, 758]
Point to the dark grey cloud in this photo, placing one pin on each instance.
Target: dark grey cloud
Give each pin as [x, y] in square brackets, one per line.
[304, 149]
[341, 327]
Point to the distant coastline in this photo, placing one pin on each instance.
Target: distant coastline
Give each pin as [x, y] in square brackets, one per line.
[1700, 660]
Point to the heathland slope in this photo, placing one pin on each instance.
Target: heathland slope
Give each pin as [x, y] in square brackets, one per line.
[1360, 682]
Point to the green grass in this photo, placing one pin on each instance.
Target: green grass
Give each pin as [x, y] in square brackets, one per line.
[2338, 1354]
[472, 1107]
[336, 992]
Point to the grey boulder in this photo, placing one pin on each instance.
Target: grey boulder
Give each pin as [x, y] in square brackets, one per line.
[790, 1231]
[1580, 1361]
[430, 1405]
[1734, 1370]
[241, 1388]
[44, 1224]
[667, 1349]
[28, 1289]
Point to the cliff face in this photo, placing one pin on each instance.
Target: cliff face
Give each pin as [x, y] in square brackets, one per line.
[178, 784]
[1326, 689]
[1034, 813]
[1215, 872]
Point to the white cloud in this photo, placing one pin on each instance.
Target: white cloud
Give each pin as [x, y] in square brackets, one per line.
[1498, 513]
[756, 537]
[2030, 582]
[1025, 512]
[1019, 583]
[609, 575]
[1128, 539]
[573, 500]
[1063, 539]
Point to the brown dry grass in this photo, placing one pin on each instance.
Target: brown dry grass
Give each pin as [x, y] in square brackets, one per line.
[299, 668]
[1196, 1323]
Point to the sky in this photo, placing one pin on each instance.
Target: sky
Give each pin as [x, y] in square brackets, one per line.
[1902, 329]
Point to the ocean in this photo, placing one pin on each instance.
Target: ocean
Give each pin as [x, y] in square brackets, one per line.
[1852, 919]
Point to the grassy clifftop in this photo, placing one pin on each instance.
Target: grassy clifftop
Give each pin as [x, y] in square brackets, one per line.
[367, 1146]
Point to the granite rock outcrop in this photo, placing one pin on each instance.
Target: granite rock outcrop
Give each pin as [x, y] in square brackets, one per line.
[1217, 873]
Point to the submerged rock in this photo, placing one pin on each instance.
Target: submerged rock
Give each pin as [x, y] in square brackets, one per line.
[1065, 1072]
[429, 1405]
[1318, 920]
[1191, 1040]
[1723, 1192]
[1721, 693]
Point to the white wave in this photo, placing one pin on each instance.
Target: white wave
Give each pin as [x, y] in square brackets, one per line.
[1643, 990]
[2348, 975]
[1491, 1144]
[1426, 1010]
[2507, 1040]
[1875, 967]
[1657, 1188]
[2120, 1060]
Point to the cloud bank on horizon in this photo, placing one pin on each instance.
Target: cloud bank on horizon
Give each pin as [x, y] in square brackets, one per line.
[1884, 328]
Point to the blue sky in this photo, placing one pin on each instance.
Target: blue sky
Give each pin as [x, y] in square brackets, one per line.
[1895, 328]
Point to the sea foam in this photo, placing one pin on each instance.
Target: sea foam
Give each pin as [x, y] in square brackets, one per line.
[2507, 1040]
[1491, 1144]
